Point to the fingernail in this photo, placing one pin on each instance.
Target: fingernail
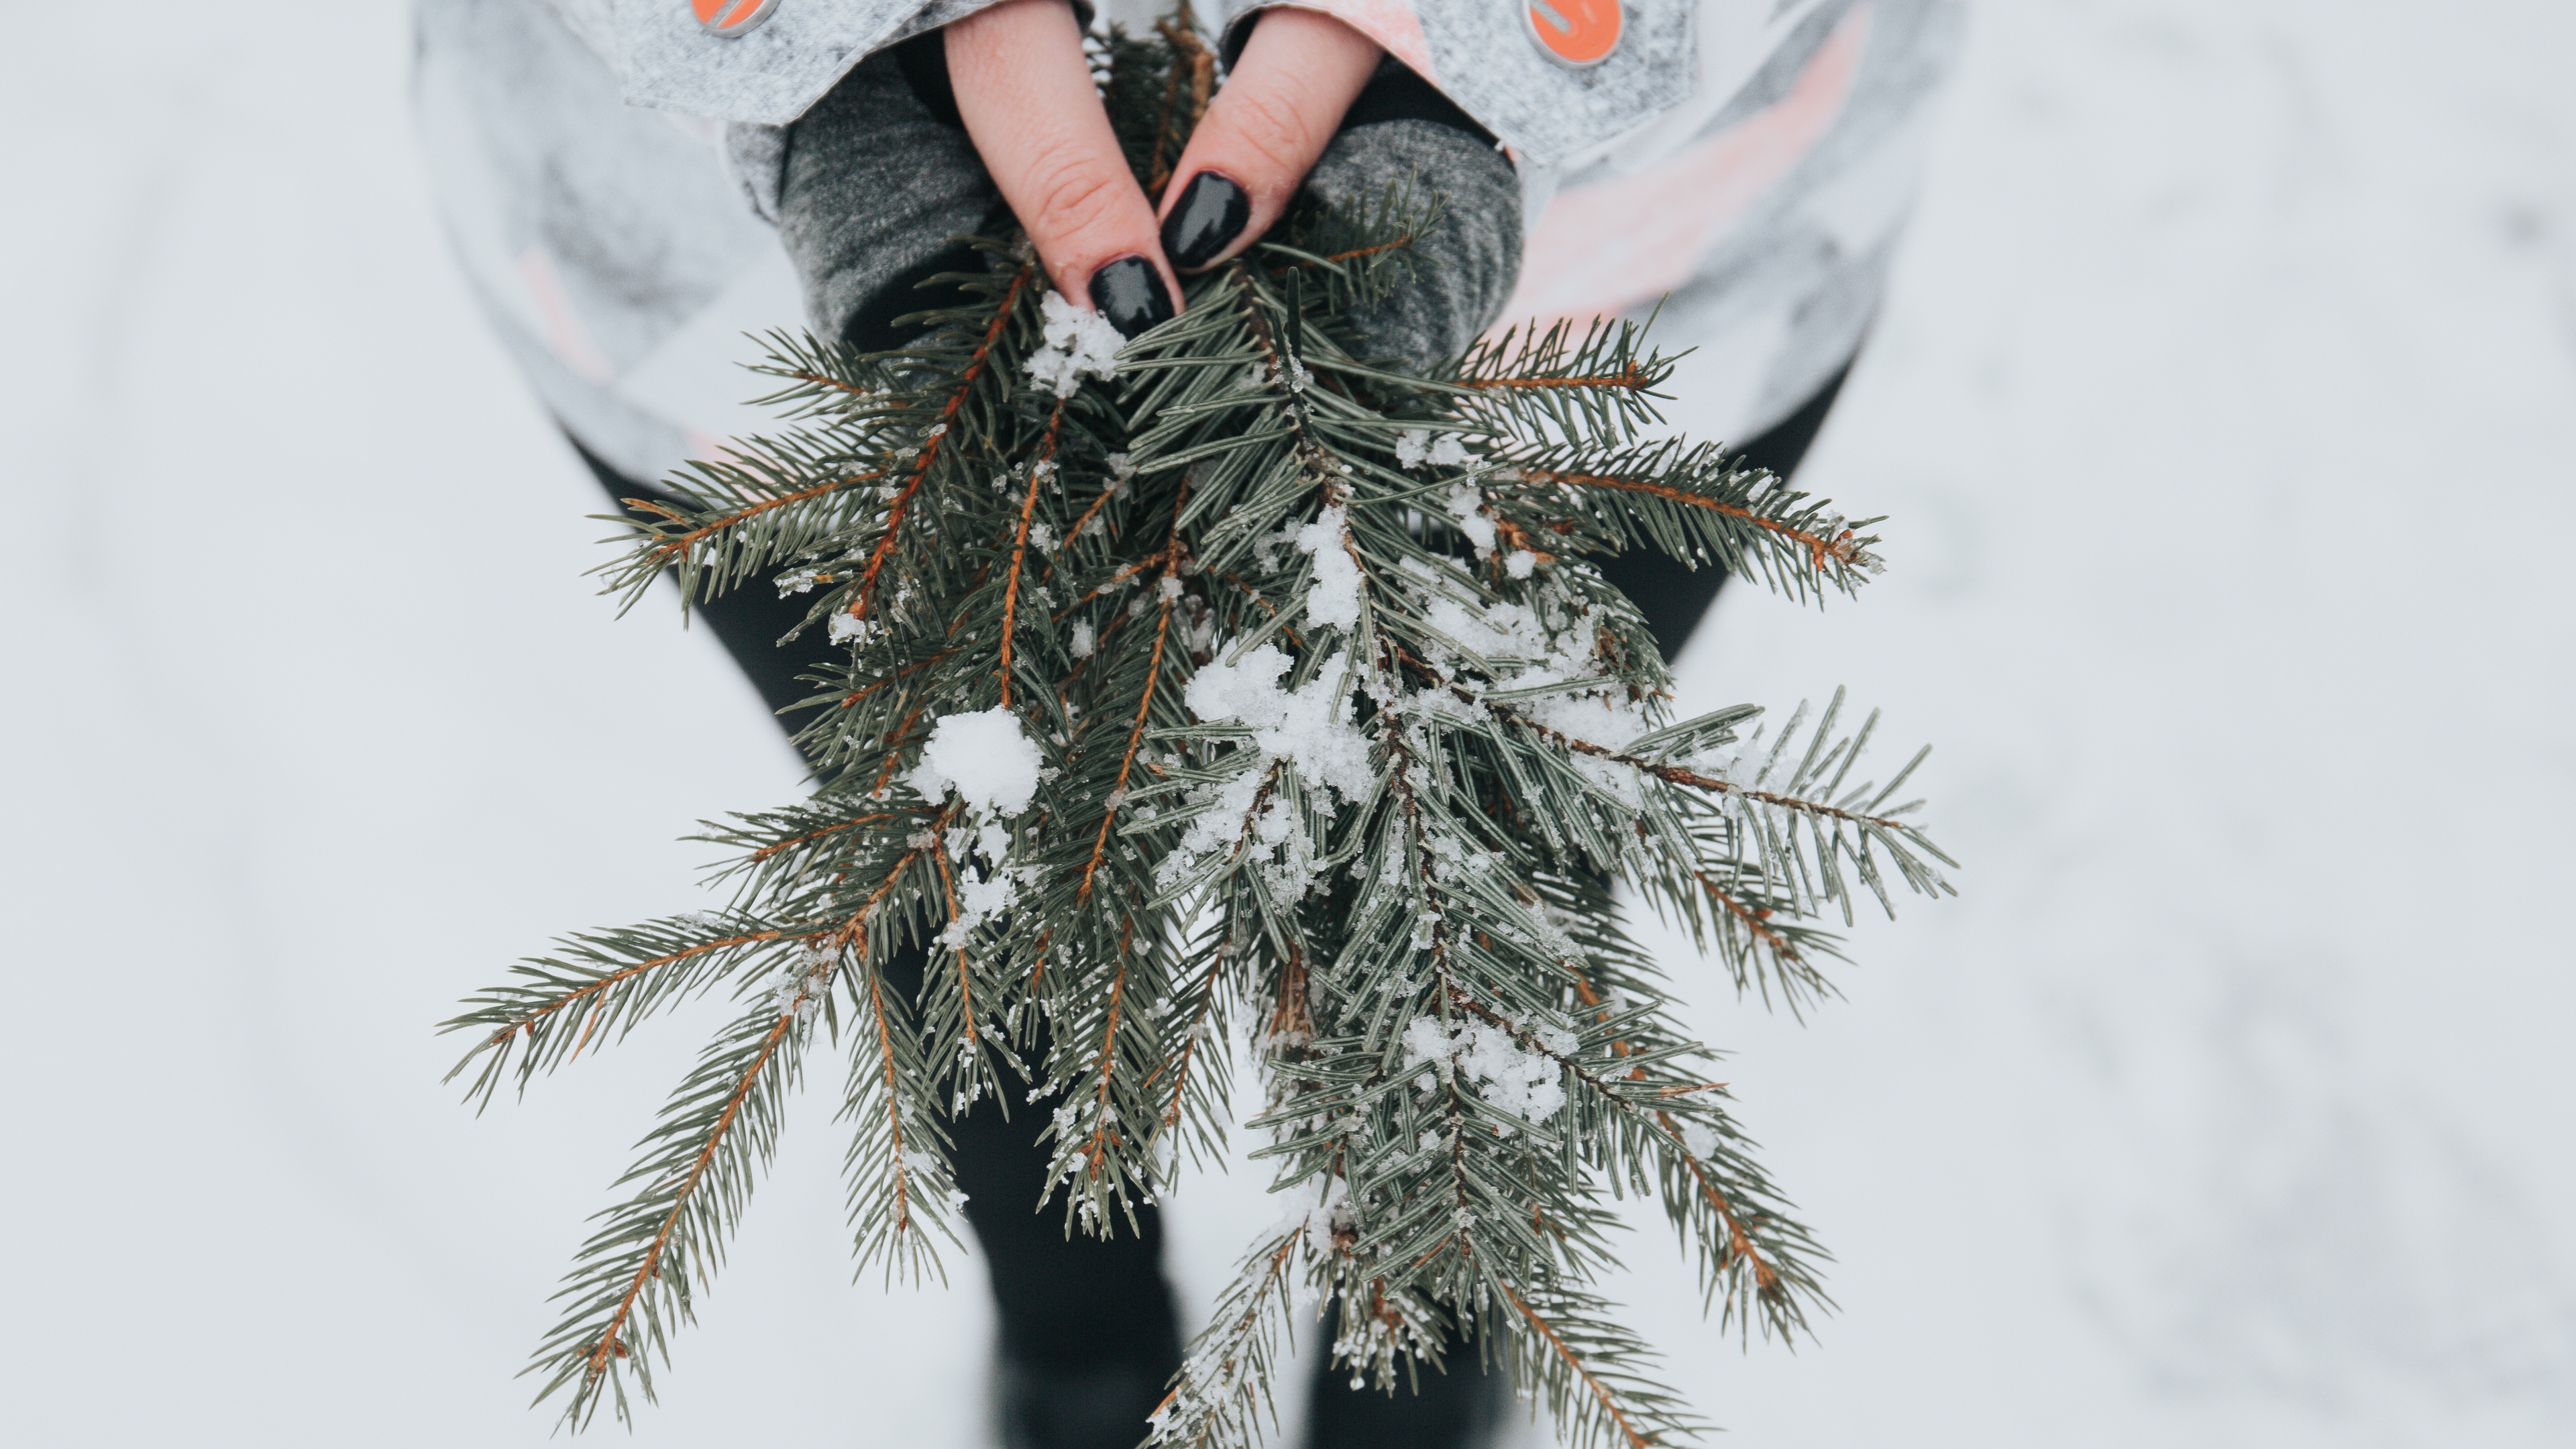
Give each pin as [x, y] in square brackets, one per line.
[1210, 215]
[1130, 293]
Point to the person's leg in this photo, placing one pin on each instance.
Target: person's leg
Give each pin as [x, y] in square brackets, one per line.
[1089, 1336]
[1459, 1409]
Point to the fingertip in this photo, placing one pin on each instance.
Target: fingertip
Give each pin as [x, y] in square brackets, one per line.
[1132, 293]
[1280, 105]
[1204, 218]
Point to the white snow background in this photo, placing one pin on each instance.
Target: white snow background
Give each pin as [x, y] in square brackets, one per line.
[2226, 412]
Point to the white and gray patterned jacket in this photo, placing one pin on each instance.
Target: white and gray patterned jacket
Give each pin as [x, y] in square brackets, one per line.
[604, 167]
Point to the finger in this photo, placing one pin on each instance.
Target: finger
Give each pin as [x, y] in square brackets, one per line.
[1280, 106]
[1025, 94]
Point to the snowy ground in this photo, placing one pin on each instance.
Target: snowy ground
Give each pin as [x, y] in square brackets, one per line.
[2227, 414]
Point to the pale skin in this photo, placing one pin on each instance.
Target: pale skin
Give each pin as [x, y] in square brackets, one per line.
[1026, 96]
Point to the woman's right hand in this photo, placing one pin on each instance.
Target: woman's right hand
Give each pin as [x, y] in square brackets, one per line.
[930, 140]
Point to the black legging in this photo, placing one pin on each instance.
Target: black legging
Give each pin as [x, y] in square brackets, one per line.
[1087, 1324]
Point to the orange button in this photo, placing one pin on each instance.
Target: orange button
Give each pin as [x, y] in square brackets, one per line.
[730, 18]
[1572, 32]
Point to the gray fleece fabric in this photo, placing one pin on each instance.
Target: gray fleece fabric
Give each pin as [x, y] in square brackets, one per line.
[873, 189]
[1470, 258]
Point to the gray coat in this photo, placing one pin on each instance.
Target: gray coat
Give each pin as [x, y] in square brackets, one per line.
[607, 171]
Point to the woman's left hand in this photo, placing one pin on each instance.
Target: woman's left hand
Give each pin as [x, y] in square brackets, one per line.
[1025, 93]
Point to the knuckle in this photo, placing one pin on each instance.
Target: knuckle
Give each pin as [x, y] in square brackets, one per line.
[1268, 125]
[1073, 195]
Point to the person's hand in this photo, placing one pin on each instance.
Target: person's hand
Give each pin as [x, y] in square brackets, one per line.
[954, 132]
[1025, 93]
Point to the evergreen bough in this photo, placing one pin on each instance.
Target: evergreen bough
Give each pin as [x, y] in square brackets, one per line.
[1279, 703]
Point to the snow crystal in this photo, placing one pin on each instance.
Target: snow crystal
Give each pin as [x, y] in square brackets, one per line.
[1041, 536]
[1700, 1138]
[1417, 446]
[1525, 1083]
[1466, 504]
[1079, 343]
[846, 630]
[799, 988]
[1265, 549]
[1334, 596]
[979, 901]
[1081, 642]
[1300, 725]
[1317, 1221]
[1520, 563]
[986, 757]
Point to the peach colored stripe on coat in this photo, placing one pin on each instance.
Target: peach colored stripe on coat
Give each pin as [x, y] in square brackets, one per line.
[565, 337]
[1616, 244]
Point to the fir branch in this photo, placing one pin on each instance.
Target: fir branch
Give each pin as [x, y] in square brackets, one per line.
[631, 1283]
[1573, 1354]
[1224, 1385]
[1127, 761]
[614, 980]
[1391, 745]
[865, 594]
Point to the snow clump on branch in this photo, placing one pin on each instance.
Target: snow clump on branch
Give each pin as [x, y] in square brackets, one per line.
[1417, 446]
[1302, 725]
[1079, 343]
[985, 757]
[1334, 596]
[1527, 1084]
[1308, 727]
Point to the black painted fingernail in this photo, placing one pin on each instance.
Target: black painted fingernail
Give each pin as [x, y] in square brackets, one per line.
[1210, 216]
[1130, 293]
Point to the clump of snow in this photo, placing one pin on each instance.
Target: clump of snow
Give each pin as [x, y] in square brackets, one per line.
[1417, 446]
[1700, 1138]
[1525, 1083]
[979, 901]
[1079, 343]
[1334, 595]
[1265, 549]
[800, 985]
[1304, 727]
[1466, 504]
[1300, 725]
[1319, 1220]
[985, 757]
[1081, 641]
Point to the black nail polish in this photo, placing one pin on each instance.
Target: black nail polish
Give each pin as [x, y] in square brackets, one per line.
[1210, 215]
[1130, 293]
